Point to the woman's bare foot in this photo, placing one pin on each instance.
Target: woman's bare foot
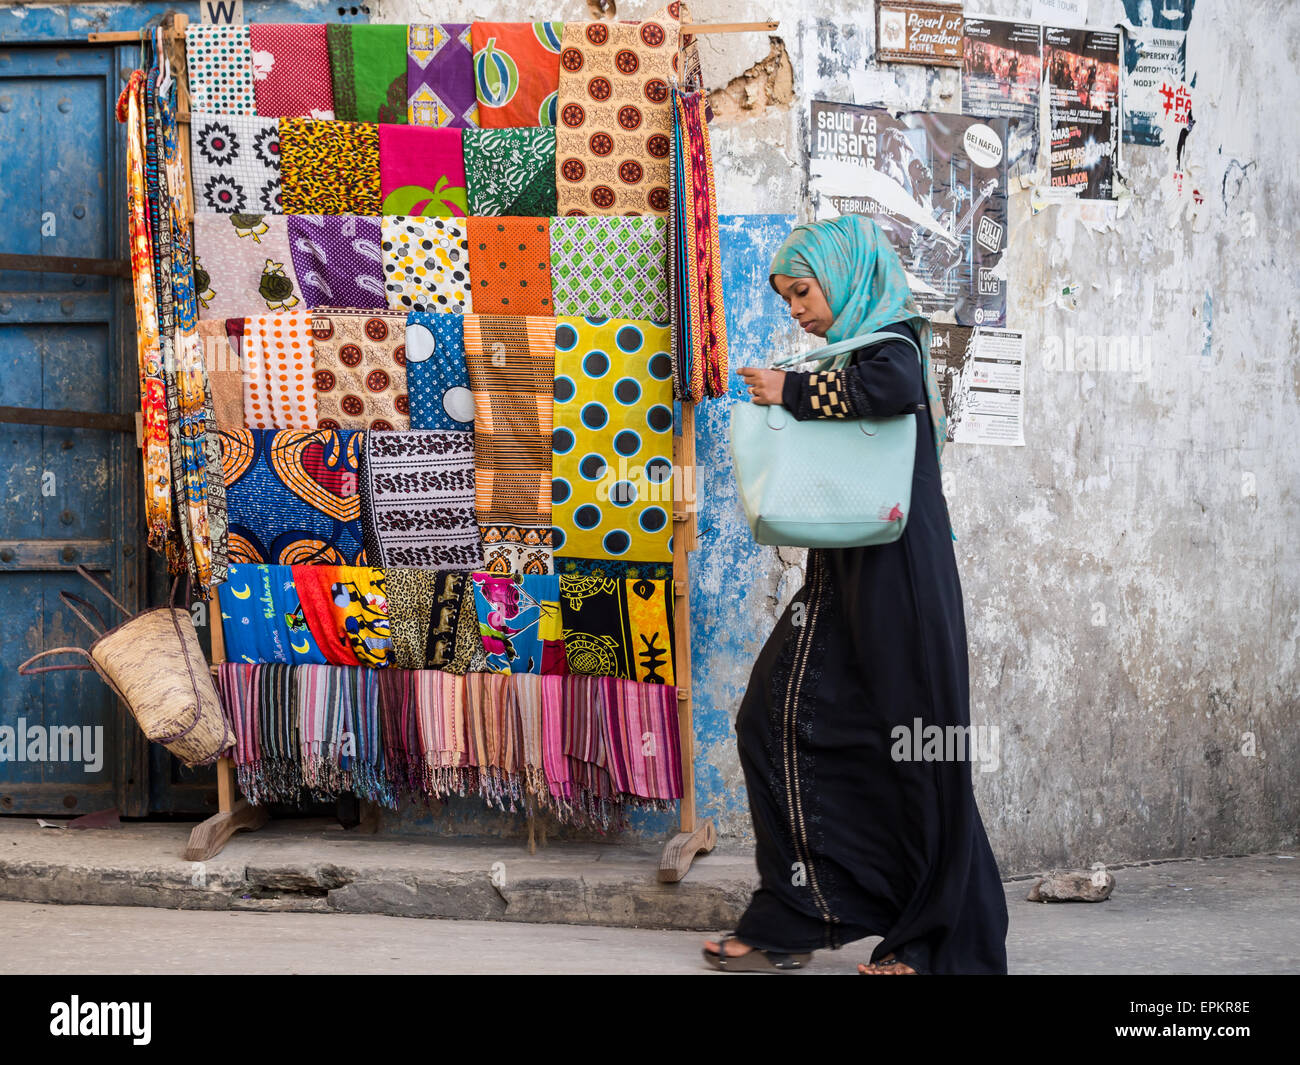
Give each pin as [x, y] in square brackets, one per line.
[734, 948]
[888, 966]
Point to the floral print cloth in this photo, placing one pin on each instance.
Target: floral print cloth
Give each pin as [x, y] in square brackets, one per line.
[242, 264]
[426, 264]
[510, 171]
[236, 163]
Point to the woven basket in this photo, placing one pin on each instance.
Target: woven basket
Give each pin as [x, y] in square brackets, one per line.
[155, 665]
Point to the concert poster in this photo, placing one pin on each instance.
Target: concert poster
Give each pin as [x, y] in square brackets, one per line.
[1002, 70]
[1082, 75]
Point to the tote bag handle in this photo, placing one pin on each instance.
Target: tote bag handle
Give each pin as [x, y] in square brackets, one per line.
[834, 356]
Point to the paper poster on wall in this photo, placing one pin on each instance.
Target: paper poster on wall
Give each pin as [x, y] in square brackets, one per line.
[1001, 73]
[937, 186]
[1082, 74]
[1156, 100]
[981, 377]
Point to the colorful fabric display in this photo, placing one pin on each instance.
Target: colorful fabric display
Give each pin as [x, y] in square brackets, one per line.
[440, 75]
[510, 265]
[613, 138]
[612, 487]
[242, 264]
[411, 594]
[643, 738]
[511, 365]
[454, 642]
[417, 500]
[524, 549]
[277, 366]
[346, 608]
[236, 163]
[221, 340]
[510, 172]
[421, 171]
[492, 742]
[292, 495]
[426, 264]
[291, 70]
[516, 72]
[258, 702]
[368, 64]
[618, 628]
[338, 260]
[610, 267]
[262, 617]
[518, 618]
[360, 375]
[220, 62]
[700, 339]
[339, 733]
[435, 371]
[329, 167]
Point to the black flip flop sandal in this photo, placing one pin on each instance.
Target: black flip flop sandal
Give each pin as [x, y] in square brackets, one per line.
[753, 961]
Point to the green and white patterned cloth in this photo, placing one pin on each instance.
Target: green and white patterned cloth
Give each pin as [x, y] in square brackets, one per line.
[510, 172]
[610, 267]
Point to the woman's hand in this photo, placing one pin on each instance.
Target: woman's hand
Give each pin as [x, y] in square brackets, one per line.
[764, 385]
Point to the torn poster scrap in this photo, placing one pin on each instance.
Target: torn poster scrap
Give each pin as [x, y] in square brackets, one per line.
[937, 186]
[981, 377]
[1156, 100]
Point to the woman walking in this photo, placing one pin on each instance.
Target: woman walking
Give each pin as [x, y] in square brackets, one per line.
[851, 841]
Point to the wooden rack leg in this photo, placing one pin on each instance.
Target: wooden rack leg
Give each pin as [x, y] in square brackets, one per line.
[210, 836]
[694, 836]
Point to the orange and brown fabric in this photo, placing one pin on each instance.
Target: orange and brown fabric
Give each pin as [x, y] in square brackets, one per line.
[511, 365]
[614, 133]
[221, 339]
[329, 167]
[510, 265]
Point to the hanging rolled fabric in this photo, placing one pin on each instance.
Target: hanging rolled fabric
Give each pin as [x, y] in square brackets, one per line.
[280, 767]
[403, 763]
[411, 596]
[262, 617]
[512, 611]
[322, 699]
[555, 765]
[235, 685]
[440, 718]
[526, 691]
[346, 608]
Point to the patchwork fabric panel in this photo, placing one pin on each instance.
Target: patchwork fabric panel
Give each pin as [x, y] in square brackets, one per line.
[236, 163]
[517, 549]
[426, 264]
[368, 64]
[277, 367]
[610, 267]
[242, 264]
[421, 171]
[617, 628]
[360, 375]
[612, 493]
[440, 75]
[220, 61]
[329, 167]
[510, 265]
[510, 171]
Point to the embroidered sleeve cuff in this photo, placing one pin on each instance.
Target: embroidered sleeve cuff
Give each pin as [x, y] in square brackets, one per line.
[830, 394]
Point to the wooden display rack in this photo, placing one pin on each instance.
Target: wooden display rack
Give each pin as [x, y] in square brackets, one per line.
[235, 813]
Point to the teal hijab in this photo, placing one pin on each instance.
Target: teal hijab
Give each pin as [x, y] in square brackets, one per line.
[865, 286]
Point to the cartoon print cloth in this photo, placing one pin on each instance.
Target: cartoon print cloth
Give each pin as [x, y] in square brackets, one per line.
[524, 549]
[516, 72]
[435, 371]
[618, 628]
[242, 264]
[426, 264]
[236, 163]
[292, 495]
[338, 260]
[421, 171]
[262, 618]
[515, 613]
[510, 171]
[277, 367]
[610, 267]
[360, 370]
[368, 65]
[220, 62]
[440, 75]
[417, 500]
[329, 167]
[613, 139]
[291, 70]
[346, 608]
[510, 265]
[511, 365]
[612, 487]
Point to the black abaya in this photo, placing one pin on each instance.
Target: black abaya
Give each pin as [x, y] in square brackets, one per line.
[850, 842]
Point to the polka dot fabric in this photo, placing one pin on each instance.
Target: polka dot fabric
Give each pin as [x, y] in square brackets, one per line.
[510, 265]
[426, 264]
[277, 357]
[612, 486]
[220, 60]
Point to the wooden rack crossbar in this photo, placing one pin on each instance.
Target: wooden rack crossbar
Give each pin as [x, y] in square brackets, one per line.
[694, 836]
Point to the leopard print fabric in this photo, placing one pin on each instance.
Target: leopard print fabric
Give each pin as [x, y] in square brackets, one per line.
[329, 167]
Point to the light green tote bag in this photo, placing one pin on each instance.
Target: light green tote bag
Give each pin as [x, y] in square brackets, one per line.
[825, 482]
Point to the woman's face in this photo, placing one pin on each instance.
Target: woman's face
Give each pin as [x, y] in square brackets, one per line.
[807, 303]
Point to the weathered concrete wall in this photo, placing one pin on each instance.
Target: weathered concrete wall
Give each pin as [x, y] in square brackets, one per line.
[1131, 578]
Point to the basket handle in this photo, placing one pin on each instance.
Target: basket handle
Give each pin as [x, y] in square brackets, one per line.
[69, 600]
[24, 671]
[107, 594]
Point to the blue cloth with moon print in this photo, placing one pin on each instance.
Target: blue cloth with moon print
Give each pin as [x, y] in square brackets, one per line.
[436, 377]
[262, 619]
